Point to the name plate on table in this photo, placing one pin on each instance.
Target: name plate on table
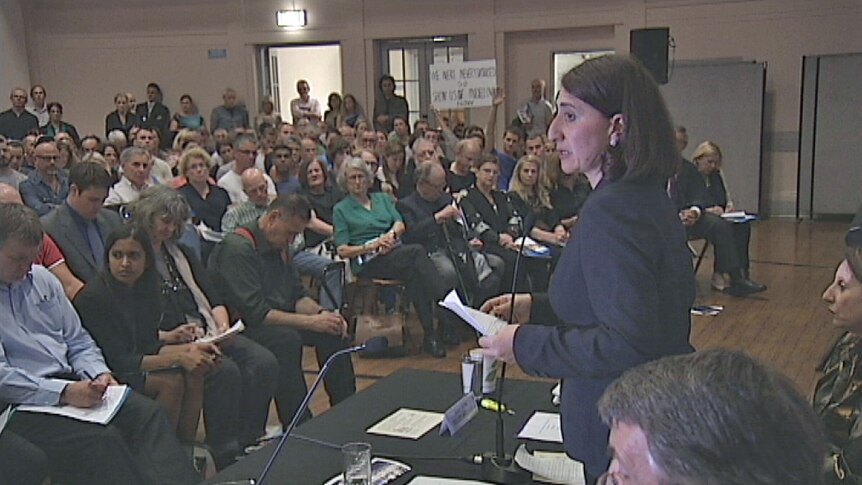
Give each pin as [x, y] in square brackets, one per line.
[459, 414]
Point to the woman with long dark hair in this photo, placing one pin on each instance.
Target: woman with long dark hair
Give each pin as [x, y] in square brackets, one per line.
[621, 293]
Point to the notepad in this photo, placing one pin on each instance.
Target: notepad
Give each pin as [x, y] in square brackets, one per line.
[102, 413]
[543, 427]
[407, 423]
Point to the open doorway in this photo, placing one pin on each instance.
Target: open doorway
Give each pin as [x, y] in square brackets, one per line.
[284, 65]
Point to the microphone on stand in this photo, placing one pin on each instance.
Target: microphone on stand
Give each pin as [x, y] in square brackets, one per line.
[497, 466]
[374, 344]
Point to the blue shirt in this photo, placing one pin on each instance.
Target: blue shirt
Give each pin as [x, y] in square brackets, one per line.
[507, 168]
[42, 336]
[39, 196]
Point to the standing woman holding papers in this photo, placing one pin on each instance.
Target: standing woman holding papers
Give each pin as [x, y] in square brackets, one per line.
[621, 293]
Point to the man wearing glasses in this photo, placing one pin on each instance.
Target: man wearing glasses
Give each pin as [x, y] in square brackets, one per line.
[47, 186]
[244, 152]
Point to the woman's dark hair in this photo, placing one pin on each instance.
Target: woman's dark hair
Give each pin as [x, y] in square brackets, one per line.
[146, 288]
[303, 172]
[188, 97]
[336, 144]
[138, 234]
[54, 104]
[620, 85]
[383, 78]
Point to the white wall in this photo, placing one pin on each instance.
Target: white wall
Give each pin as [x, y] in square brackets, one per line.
[14, 68]
[86, 50]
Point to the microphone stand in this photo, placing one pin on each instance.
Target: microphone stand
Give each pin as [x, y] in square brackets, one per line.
[374, 344]
[498, 467]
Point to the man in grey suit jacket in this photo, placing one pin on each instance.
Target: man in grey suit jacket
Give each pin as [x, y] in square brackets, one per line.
[81, 225]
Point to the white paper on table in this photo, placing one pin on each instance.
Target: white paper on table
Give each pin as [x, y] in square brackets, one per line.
[542, 427]
[236, 328]
[113, 398]
[425, 480]
[407, 423]
[551, 467]
[483, 323]
[555, 394]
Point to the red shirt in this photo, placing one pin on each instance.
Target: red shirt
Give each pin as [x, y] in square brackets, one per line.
[49, 255]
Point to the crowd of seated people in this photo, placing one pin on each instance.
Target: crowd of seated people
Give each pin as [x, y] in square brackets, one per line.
[176, 225]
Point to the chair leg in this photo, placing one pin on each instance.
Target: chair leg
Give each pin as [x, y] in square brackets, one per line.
[701, 255]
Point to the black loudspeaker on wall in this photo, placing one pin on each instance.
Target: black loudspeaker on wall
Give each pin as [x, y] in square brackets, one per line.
[650, 47]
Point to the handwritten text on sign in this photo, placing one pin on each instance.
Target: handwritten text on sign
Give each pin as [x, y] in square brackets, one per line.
[463, 84]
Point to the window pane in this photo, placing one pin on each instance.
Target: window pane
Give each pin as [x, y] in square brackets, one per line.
[440, 56]
[456, 54]
[411, 64]
[412, 94]
[396, 66]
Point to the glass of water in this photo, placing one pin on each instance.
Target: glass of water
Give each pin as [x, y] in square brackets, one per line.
[357, 463]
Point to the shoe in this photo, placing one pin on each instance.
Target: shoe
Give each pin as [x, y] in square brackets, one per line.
[719, 282]
[434, 347]
[745, 287]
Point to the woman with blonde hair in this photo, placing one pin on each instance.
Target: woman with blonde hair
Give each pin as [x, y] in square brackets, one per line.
[533, 200]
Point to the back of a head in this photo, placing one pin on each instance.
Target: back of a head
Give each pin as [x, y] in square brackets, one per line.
[86, 175]
[619, 85]
[290, 206]
[20, 223]
[719, 417]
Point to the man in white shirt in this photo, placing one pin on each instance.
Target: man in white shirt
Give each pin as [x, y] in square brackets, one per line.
[146, 139]
[137, 165]
[304, 106]
[244, 153]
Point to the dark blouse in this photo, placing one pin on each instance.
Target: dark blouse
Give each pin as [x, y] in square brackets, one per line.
[322, 205]
[457, 183]
[177, 301]
[209, 210]
[568, 202]
[534, 213]
[124, 322]
[112, 122]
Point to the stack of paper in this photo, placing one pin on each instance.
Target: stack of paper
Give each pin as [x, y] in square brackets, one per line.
[484, 323]
[103, 413]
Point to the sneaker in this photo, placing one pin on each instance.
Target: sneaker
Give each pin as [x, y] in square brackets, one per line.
[719, 282]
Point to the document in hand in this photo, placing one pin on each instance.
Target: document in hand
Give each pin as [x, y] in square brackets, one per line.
[483, 323]
[738, 216]
[102, 413]
[237, 327]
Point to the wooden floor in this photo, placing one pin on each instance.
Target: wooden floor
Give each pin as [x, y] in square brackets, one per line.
[787, 325]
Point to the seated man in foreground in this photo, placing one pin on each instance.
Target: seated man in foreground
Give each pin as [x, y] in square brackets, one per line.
[263, 287]
[713, 417]
[48, 359]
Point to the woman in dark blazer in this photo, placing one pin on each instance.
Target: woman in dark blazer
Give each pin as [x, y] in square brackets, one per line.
[121, 118]
[621, 293]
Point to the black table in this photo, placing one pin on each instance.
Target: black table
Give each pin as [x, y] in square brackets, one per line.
[305, 463]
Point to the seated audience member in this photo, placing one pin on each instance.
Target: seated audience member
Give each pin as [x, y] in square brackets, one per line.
[50, 255]
[703, 199]
[837, 398]
[533, 200]
[569, 192]
[81, 225]
[122, 118]
[400, 130]
[460, 176]
[262, 286]
[433, 220]
[68, 153]
[373, 163]
[222, 160]
[49, 359]
[396, 182]
[137, 165]
[10, 158]
[56, 125]
[368, 230]
[336, 150]
[121, 310]
[90, 144]
[323, 195]
[513, 137]
[284, 170]
[48, 186]
[112, 159]
[208, 201]
[490, 213]
[711, 417]
[255, 188]
[244, 152]
[191, 305]
[535, 145]
[148, 139]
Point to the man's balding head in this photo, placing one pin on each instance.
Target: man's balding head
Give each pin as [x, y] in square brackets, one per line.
[9, 195]
[255, 186]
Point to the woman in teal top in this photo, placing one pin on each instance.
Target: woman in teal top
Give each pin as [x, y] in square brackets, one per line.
[187, 116]
[367, 231]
